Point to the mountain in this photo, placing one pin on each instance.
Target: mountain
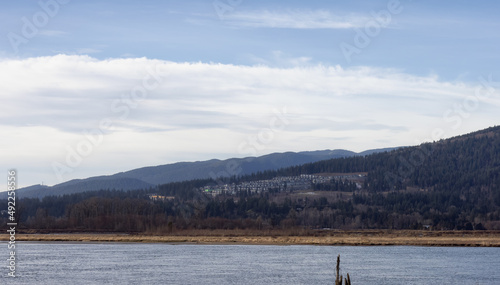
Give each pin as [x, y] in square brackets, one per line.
[462, 164]
[224, 168]
[146, 177]
[452, 184]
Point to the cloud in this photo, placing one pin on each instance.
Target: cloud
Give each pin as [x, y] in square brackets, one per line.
[303, 19]
[281, 59]
[206, 110]
[71, 92]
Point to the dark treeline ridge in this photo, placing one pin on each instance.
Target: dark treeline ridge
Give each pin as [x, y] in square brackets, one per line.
[449, 184]
[459, 162]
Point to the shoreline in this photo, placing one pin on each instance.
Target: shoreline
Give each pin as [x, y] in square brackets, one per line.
[345, 238]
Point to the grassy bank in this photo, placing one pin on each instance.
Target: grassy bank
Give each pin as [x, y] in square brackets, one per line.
[364, 238]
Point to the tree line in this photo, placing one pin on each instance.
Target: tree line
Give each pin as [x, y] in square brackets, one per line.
[450, 184]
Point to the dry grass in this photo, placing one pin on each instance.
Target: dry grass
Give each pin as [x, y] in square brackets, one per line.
[369, 237]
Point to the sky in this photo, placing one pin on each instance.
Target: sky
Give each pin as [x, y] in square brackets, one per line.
[98, 87]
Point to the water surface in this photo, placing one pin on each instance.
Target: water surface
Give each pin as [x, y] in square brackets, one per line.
[138, 263]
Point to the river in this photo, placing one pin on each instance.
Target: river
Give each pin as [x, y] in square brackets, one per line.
[140, 263]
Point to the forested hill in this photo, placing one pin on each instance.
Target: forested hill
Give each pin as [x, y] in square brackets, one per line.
[464, 164]
[146, 177]
[452, 184]
[449, 184]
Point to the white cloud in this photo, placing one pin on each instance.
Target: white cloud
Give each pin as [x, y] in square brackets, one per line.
[281, 59]
[206, 110]
[303, 19]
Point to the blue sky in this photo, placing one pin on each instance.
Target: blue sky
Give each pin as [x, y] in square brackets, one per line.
[217, 76]
[449, 38]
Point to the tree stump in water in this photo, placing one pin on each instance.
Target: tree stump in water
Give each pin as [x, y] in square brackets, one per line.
[338, 277]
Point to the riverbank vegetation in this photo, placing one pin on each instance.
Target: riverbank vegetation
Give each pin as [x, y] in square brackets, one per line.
[280, 237]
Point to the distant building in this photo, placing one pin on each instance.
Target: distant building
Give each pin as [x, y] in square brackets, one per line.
[156, 197]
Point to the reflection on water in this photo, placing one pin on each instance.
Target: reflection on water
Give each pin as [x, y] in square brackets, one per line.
[125, 263]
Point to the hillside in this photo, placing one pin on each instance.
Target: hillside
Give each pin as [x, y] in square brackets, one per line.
[451, 184]
[143, 178]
